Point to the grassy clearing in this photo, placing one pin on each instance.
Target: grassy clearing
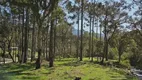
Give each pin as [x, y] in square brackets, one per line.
[66, 69]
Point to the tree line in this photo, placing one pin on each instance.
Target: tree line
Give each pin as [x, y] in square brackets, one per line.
[40, 30]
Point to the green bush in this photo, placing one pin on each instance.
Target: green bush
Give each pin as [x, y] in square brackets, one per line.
[136, 60]
[125, 56]
[112, 53]
[125, 63]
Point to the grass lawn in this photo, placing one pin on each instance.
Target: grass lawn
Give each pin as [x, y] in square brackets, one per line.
[66, 69]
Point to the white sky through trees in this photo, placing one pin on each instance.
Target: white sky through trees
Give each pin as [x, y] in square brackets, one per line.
[86, 28]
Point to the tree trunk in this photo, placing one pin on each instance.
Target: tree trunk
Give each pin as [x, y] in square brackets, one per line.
[63, 44]
[106, 50]
[97, 34]
[92, 53]
[47, 58]
[100, 33]
[43, 46]
[119, 58]
[23, 25]
[3, 50]
[33, 42]
[47, 49]
[81, 45]
[26, 36]
[9, 50]
[90, 37]
[19, 36]
[70, 44]
[55, 38]
[51, 54]
[38, 61]
[78, 36]
[96, 28]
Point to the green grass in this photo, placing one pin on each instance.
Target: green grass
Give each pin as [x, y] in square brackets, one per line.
[66, 69]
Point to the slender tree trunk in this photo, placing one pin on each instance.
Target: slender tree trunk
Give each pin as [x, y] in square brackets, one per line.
[51, 54]
[96, 28]
[38, 61]
[78, 37]
[23, 25]
[43, 46]
[15, 54]
[18, 41]
[106, 39]
[105, 50]
[9, 50]
[33, 41]
[55, 38]
[100, 33]
[97, 36]
[90, 37]
[4, 52]
[62, 51]
[47, 58]
[71, 42]
[19, 34]
[100, 40]
[26, 36]
[46, 49]
[105, 47]
[81, 45]
[92, 53]
[119, 60]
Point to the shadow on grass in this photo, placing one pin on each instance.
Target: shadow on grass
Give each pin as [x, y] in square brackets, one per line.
[74, 63]
[9, 71]
[66, 59]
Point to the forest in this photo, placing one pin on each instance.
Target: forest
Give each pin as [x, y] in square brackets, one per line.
[70, 39]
